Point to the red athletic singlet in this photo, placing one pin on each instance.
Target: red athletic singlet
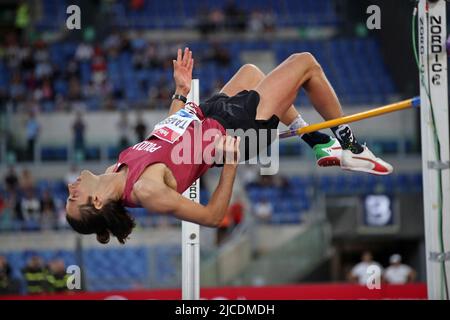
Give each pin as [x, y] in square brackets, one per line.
[185, 167]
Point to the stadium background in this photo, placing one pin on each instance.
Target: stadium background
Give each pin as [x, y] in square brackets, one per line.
[305, 225]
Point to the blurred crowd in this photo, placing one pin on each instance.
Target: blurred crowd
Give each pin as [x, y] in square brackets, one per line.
[24, 206]
[231, 17]
[36, 80]
[395, 273]
[35, 75]
[36, 277]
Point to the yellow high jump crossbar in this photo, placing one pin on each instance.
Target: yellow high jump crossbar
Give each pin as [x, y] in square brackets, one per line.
[405, 104]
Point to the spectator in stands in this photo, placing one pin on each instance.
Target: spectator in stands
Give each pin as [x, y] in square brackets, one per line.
[261, 21]
[98, 66]
[32, 134]
[218, 54]
[26, 180]
[112, 44]
[17, 88]
[48, 211]
[249, 176]
[8, 285]
[5, 273]
[124, 129]
[5, 276]
[41, 56]
[72, 69]
[104, 91]
[263, 210]
[139, 57]
[11, 210]
[2, 208]
[78, 129]
[236, 18]
[11, 179]
[31, 83]
[57, 276]
[163, 93]
[210, 21]
[398, 273]
[138, 42]
[12, 56]
[236, 210]
[7, 210]
[282, 182]
[136, 4]
[153, 57]
[266, 181]
[140, 128]
[30, 209]
[46, 90]
[74, 93]
[34, 274]
[22, 16]
[224, 228]
[84, 52]
[61, 222]
[232, 218]
[89, 90]
[360, 273]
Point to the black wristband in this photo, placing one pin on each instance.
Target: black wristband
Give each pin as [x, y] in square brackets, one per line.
[179, 97]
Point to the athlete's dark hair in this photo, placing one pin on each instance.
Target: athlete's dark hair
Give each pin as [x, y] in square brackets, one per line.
[112, 218]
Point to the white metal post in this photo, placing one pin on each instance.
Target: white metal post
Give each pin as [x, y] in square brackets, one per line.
[190, 233]
[433, 76]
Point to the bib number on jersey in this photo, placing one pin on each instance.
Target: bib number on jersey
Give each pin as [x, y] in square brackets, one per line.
[173, 127]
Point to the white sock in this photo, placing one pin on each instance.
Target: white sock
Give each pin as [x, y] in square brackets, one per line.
[298, 123]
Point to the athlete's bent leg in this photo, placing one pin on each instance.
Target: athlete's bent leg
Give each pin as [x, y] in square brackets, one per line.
[279, 89]
[327, 149]
[247, 78]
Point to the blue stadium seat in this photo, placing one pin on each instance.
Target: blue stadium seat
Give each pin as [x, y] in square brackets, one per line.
[54, 153]
[116, 269]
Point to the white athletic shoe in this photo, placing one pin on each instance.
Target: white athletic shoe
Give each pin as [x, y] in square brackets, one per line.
[328, 154]
[365, 162]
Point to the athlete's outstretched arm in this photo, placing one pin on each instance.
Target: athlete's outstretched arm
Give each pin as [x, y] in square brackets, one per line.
[182, 74]
[162, 199]
[155, 195]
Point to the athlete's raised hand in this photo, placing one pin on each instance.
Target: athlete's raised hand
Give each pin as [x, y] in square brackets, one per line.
[182, 71]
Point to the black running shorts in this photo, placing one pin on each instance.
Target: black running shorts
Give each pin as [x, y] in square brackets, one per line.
[239, 112]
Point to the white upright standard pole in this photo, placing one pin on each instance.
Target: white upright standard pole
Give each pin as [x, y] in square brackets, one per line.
[435, 145]
[190, 232]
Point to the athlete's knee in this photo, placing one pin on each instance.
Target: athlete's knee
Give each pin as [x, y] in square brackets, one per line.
[252, 71]
[307, 59]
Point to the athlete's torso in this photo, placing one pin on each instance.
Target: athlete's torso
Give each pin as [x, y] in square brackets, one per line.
[187, 158]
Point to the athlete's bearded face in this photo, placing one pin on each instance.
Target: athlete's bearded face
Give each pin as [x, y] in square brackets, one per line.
[80, 191]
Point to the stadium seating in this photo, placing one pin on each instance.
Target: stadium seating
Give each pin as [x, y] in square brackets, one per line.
[112, 269]
[290, 202]
[157, 14]
[182, 14]
[351, 65]
[116, 269]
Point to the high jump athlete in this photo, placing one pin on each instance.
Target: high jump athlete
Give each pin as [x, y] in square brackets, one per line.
[147, 176]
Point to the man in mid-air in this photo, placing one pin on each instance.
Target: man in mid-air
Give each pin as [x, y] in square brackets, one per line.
[147, 175]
